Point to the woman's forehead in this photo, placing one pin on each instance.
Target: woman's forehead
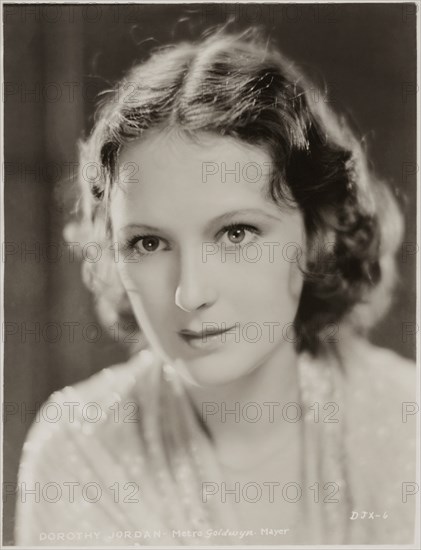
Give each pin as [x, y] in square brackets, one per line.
[173, 177]
[207, 155]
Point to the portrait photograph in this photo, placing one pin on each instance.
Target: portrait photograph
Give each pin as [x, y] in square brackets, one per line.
[210, 258]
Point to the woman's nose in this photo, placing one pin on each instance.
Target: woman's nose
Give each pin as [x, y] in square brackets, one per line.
[194, 290]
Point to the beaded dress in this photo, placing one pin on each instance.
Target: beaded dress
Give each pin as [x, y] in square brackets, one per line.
[126, 461]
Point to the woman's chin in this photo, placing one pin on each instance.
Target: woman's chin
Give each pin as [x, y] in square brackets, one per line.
[214, 369]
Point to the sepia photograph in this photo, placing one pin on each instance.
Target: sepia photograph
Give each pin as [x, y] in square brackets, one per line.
[210, 257]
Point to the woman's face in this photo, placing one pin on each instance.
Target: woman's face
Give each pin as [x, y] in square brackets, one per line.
[201, 249]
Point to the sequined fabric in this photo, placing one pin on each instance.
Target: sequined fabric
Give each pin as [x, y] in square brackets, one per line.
[125, 462]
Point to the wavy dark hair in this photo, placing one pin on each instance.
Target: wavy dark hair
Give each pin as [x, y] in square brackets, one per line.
[240, 85]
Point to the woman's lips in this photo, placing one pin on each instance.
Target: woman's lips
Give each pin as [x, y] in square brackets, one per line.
[203, 334]
[204, 339]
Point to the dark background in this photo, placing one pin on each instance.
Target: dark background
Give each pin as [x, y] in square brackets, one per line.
[56, 60]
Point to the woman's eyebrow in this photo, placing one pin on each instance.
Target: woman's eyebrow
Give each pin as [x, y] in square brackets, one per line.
[137, 226]
[227, 216]
[223, 218]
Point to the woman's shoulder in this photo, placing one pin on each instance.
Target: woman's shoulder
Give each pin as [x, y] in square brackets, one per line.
[379, 388]
[379, 417]
[102, 407]
[87, 438]
[377, 370]
[113, 382]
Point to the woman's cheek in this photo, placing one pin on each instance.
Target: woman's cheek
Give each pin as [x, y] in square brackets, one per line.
[270, 290]
[128, 277]
[137, 281]
[147, 288]
[146, 299]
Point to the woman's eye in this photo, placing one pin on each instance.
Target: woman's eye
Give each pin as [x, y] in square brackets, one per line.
[237, 233]
[145, 245]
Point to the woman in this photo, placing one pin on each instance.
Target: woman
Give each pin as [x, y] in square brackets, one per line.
[242, 228]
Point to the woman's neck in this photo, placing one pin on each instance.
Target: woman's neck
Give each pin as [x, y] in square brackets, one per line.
[256, 412]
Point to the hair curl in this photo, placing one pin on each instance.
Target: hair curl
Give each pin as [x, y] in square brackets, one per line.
[239, 85]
